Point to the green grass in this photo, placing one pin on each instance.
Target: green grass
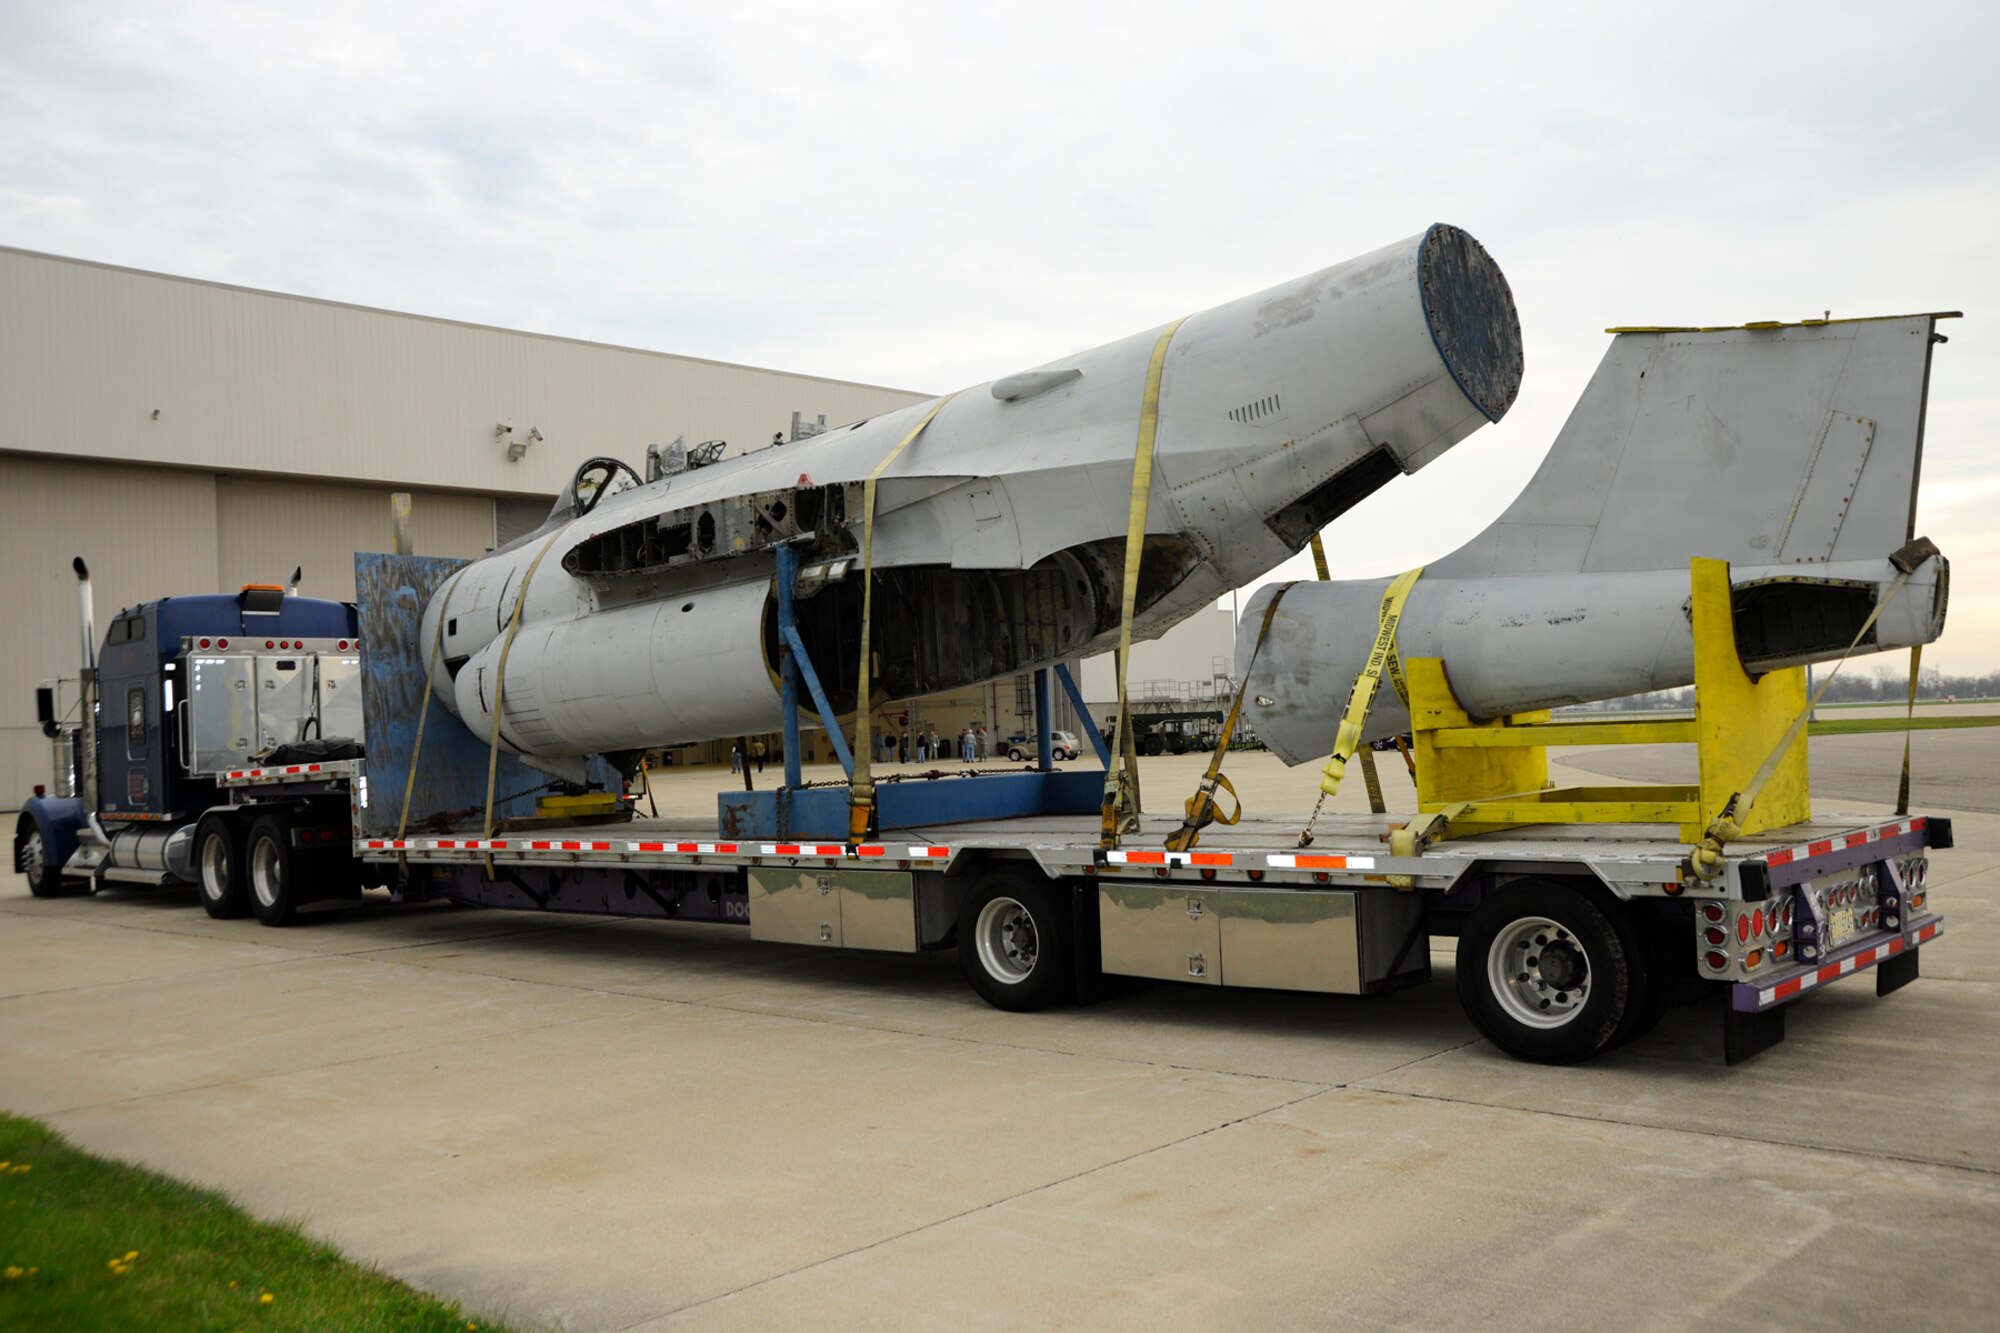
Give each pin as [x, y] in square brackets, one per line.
[1894, 703]
[1855, 726]
[87, 1243]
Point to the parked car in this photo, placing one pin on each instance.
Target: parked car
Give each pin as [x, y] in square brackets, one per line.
[1019, 747]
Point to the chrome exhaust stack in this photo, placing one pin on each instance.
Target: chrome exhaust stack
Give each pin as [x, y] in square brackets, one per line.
[87, 712]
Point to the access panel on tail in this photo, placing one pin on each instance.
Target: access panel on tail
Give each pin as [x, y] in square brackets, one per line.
[1790, 450]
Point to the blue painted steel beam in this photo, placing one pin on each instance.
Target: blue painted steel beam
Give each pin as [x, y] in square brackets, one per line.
[1082, 711]
[826, 714]
[788, 667]
[1045, 721]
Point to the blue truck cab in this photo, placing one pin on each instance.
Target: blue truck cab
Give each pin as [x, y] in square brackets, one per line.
[182, 687]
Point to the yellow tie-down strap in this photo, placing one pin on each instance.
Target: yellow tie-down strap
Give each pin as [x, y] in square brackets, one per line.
[1381, 657]
[861, 789]
[1120, 780]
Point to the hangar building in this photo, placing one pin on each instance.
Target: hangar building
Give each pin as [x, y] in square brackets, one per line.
[186, 436]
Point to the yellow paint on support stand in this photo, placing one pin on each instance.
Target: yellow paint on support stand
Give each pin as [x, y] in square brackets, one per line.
[577, 807]
[1739, 719]
[1497, 769]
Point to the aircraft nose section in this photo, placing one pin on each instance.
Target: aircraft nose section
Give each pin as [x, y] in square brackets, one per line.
[1472, 318]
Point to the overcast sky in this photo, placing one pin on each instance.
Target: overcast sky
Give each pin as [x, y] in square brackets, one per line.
[931, 196]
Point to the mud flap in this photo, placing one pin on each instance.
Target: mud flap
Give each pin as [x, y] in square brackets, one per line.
[1748, 1034]
[1896, 973]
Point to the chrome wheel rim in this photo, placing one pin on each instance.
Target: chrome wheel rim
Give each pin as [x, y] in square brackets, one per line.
[266, 879]
[1539, 971]
[215, 867]
[1007, 941]
[34, 861]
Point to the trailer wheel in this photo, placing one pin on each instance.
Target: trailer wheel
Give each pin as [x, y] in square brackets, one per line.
[218, 863]
[1014, 944]
[1544, 974]
[1666, 955]
[44, 879]
[272, 868]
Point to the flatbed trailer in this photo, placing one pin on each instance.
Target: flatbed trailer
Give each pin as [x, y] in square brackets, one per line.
[1548, 918]
[1573, 937]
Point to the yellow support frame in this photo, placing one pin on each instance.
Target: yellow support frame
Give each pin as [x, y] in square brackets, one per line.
[1497, 770]
[576, 807]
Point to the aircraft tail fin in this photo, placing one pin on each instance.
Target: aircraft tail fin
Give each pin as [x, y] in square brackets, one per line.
[1767, 444]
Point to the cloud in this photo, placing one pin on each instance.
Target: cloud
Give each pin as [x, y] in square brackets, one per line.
[931, 196]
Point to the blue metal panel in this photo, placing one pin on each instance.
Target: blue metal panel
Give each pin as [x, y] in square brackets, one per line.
[451, 771]
[821, 812]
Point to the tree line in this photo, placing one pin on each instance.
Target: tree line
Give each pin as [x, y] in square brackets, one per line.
[1883, 684]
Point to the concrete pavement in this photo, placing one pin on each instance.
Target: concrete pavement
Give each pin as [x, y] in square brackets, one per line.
[602, 1124]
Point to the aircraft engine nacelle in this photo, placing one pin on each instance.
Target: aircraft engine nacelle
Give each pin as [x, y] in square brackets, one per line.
[688, 666]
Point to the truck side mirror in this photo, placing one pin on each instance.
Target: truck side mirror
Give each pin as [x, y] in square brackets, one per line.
[45, 710]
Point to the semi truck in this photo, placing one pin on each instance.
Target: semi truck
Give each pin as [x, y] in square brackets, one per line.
[281, 754]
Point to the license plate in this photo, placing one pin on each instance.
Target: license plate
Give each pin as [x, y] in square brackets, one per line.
[1840, 924]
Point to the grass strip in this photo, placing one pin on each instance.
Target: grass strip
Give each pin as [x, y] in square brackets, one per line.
[87, 1243]
[1856, 726]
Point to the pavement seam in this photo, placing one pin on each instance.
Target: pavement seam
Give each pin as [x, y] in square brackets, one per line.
[1313, 1091]
[549, 921]
[715, 1005]
[164, 1093]
[1829, 1149]
[286, 956]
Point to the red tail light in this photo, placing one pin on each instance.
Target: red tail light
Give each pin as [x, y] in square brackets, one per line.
[1716, 961]
[201, 643]
[1713, 911]
[1742, 930]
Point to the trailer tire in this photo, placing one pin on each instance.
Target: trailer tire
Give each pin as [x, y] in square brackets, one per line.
[1667, 952]
[218, 864]
[1015, 944]
[1545, 974]
[271, 865]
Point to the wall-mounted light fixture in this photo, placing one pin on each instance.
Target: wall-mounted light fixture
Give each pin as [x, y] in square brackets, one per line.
[517, 449]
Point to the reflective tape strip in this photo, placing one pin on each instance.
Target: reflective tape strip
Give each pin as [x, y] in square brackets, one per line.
[929, 853]
[1831, 972]
[1880, 833]
[1308, 861]
[1146, 858]
[804, 849]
